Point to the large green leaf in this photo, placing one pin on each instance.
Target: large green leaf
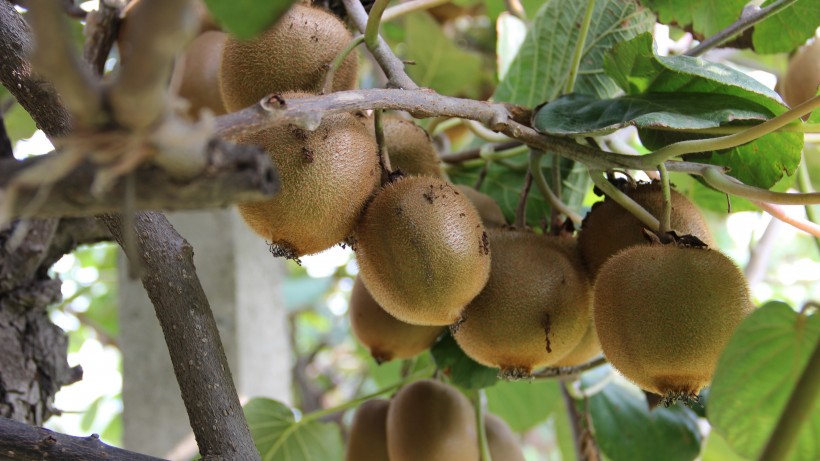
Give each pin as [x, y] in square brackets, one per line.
[779, 33]
[788, 29]
[716, 449]
[524, 404]
[756, 375]
[440, 63]
[540, 70]
[279, 437]
[247, 18]
[461, 369]
[579, 114]
[626, 430]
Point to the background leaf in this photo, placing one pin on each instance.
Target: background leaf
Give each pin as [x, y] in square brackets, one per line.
[756, 375]
[788, 29]
[462, 370]
[524, 404]
[540, 70]
[279, 437]
[247, 18]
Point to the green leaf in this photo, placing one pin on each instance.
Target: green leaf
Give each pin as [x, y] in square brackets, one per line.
[540, 70]
[716, 449]
[90, 414]
[279, 437]
[707, 17]
[756, 375]
[19, 124]
[247, 18]
[440, 63]
[524, 404]
[462, 370]
[579, 114]
[788, 29]
[626, 430]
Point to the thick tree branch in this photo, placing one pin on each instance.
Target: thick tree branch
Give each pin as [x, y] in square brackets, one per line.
[36, 96]
[27, 443]
[73, 232]
[232, 174]
[101, 28]
[190, 331]
[153, 34]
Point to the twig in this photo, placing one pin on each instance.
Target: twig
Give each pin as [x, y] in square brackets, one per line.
[541, 183]
[384, 155]
[798, 409]
[101, 28]
[28, 443]
[475, 153]
[666, 193]
[725, 183]
[804, 186]
[748, 18]
[625, 201]
[397, 11]
[392, 66]
[374, 19]
[568, 372]
[478, 398]
[579, 47]
[778, 212]
[327, 87]
[521, 209]
[483, 133]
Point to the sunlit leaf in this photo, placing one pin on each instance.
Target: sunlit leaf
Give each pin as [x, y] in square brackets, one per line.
[524, 404]
[247, 18]
[462, 370]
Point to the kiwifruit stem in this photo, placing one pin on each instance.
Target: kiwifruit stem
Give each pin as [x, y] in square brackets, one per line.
[725, 183]
[384, 156]
[746, 21]
[327, 87]
[371, 31]
[798, 409]
[541, 183]
[804, 186]
[483, 132]
[666, 191]
[478, 397]
[622, 199]
[568, 372]
[579, 47]
[733, 140]
[521, 209]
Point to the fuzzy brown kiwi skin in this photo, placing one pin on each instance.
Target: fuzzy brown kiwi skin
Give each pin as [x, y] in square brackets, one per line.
[488, 209]
[504, 445]
[327, 177]
[367, 440]
[422, 250]
[386, 337]
[431, 421]
[292, 55]
[586, 350]
[199, 79]
[609, 228]
[664, 313]
[410, 147]
[803, 75]
[535, 307]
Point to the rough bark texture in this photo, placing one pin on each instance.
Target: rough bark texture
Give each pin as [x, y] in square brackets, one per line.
[23, 442]
[199, 361]
[33, 363]
[233, 174]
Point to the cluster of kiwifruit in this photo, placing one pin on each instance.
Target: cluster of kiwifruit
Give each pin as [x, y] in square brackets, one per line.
[426, 421]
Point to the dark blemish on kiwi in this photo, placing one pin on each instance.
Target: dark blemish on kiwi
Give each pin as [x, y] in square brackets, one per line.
[461, 215]
[307, 154]
[429, 195]
[399, 211]
[546, 324]
[297, 132]
[484, 244]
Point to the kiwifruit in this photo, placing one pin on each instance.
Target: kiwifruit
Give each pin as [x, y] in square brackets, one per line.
[608, 227]
[199, 73]
[292, 55]
[410, 147]
[586, 350]
[386, 337]
[367, 440]
[327, 176]
[422, 250]
[488, 209]
[431, 421]
[504, 445]
[803, 75]
[663, 314]
[535, 307]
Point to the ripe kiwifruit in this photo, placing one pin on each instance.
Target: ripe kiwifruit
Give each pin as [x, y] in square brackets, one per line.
[803, 75]
[535, 307]
[422, 250]
[292, 55]
[488, 209]
[664, 313]
[431, 421]
[586, 350]
[327, 176]
[504, 445]
[608, 227]
[199, 79]
[410, 147]
[387, 337]
[367, 440]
